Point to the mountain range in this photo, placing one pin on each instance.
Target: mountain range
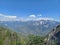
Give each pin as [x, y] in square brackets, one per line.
[38, 27]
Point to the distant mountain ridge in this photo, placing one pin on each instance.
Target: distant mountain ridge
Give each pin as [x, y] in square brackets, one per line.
[39, 27]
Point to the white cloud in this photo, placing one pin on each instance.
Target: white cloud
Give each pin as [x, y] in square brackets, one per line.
[15, 18]
[10, 17]
[32, 16]
[45, 18]
[2, 15]
[39, 15]
[7, 17]
[35, 19]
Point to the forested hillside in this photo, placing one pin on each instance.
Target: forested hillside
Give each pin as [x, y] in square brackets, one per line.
[8, 37]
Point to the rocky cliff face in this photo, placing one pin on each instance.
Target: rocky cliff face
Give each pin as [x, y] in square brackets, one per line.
[54, 36]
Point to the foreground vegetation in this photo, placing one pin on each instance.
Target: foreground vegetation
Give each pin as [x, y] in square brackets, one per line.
[8, 37]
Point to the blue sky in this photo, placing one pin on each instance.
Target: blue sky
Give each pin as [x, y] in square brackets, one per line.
[24, 8]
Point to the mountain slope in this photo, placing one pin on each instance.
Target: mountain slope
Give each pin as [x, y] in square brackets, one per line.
[8, 37]
[54, 36]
